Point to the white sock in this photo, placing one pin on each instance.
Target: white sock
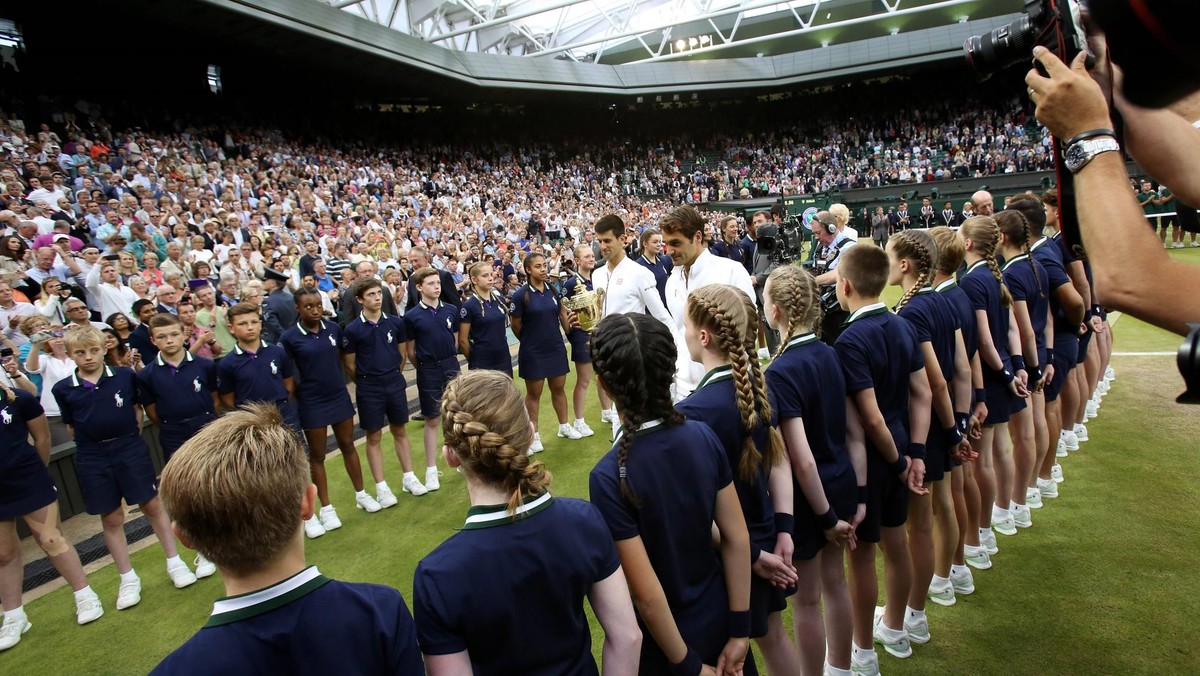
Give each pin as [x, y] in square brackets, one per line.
[984, 532]
[430, 468]
[864, 652]
[578, 421]
[85, 593]
[914, 615]
[939, 581]
[175, 560]
[15, 613]
[381, 485]
[131, 576]
[957, 570]
[1012, 505]
[314, 519]
[410, 474]
[361, 494]
[999, 513]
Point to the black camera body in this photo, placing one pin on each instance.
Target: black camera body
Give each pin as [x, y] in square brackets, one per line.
[1053, 24]
[783, 244]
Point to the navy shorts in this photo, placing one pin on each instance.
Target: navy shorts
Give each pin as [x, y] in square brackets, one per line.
[999, 404]
[765, 599]
[498, 360]
[937, 452]
[887, 500]
[432, 377]
[172, 435]
[112, 470]
[382, 400]
[1084, 341]
[580, 352]
[1066, 350]
[841, 490]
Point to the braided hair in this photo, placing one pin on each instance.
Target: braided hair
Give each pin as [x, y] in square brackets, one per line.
[917, 246]
[492, 295]
[950, 251]
[484, 421]
[633, 355]
[775, 447]
[720, 309]
[1015, 228]
[985, 235]
[794, 291]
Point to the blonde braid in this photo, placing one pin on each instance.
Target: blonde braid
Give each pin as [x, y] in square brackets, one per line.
[794, 291]
[919, 247]
[775, 448]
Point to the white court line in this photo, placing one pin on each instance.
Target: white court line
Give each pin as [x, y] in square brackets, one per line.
[1144, 354]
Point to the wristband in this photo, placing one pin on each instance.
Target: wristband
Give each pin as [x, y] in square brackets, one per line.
[1018, 362]
[1091, 133]
[1050, 355]
[828, 520]
[785, 523]
[962, 422]
[739, 623]
[900, 464]
[954, 435]
[916, 451]
[1009, 376]
[1096, 311]
[690, 666]
[981, 396]
[863, 495]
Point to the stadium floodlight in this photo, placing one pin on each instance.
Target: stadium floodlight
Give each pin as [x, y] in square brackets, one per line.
[680, 45]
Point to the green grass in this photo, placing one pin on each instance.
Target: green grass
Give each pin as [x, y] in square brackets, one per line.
[1103, 583]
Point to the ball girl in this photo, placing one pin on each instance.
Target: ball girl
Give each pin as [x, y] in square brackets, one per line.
[27, 490]
[805, 380]
[950, 254]
[661, 487]
[482, 335]
[721, 332]
[1027, 282]
[932, 530]
[544, 554]
[1004, 392]
[323, 401]
[585, 262]
[539, 320]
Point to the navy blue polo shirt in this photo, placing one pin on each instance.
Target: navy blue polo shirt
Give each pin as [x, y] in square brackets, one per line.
[1029, 283]
[488, 320]
[103, 411]
[317, 357]
[433, 330]
[179, 393]
[15, 450]
[984, 291]
[960, 304]
[539, 315]
[934, 321]
[255, 376]
[806, 382]
[879, 350]
[661, 266]
[714, 403]
[304, 625]
[541, 563]
[676, 472]
[376, 345]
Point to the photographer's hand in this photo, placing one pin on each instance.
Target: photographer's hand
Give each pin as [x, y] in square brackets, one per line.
[1069, 101]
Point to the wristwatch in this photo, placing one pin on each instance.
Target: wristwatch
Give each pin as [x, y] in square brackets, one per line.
[1080, 153]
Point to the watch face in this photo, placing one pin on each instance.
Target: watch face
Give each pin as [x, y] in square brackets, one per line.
[1074, 156]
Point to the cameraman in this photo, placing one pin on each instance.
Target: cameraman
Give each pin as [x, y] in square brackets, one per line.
[1130, 267]
[831, 242]
[759, 264]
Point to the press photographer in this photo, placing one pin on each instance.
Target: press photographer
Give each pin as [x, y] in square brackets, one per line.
[831, 242]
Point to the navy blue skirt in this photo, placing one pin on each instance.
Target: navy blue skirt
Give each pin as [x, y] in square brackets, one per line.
[543, 361]
[317, 413]
[25, 488]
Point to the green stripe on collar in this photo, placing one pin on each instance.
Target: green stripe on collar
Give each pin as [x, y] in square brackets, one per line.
[244, 606]
[1014, 259]
[866, 311]
[716, 375]
[489, 516]
[802, 339]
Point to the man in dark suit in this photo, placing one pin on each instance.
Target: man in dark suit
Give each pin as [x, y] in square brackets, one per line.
[419, 257]
[279, 307]
[348, 305]
[948, 217]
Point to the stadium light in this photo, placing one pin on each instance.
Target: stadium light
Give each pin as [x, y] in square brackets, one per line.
[680, 45]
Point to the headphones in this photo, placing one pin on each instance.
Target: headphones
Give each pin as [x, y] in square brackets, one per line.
[830, 228]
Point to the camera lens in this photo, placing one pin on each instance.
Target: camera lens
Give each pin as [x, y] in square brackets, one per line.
[1007, 45]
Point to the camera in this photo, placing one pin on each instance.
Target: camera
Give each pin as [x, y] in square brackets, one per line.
[782, 243]
[1188, 360]
[1054, 24]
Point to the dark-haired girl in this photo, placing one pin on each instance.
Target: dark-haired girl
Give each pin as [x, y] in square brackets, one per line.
[539, 320]
[1028, 283]
[521, 554]
[322, 400]
[721, 332]
[661, 487]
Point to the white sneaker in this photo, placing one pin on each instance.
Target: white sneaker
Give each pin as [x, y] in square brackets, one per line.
[1091, 409]
[977, 557]
[1194, 243]
[329, 518]
[313, 528]
[129, 594]
[1060, 451]
[941, 594]
[864, 663]
[384, 496]
[1069, 439]
[1177, 245]
[1081, 433]
[88, 609]
[894, 641]
[1048, 488]
[581, 426]
[964, 582]
[411, 484]
[1056, 473]
[917, 628]
[1005, 526]
[432, 479]
[181, 575]
[11, 631]
[987, 540]
[204, 567]
[1021, 516]
[367, 503]
[1033, 498]
[606, 415]
[536, 446]
[569, 432]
